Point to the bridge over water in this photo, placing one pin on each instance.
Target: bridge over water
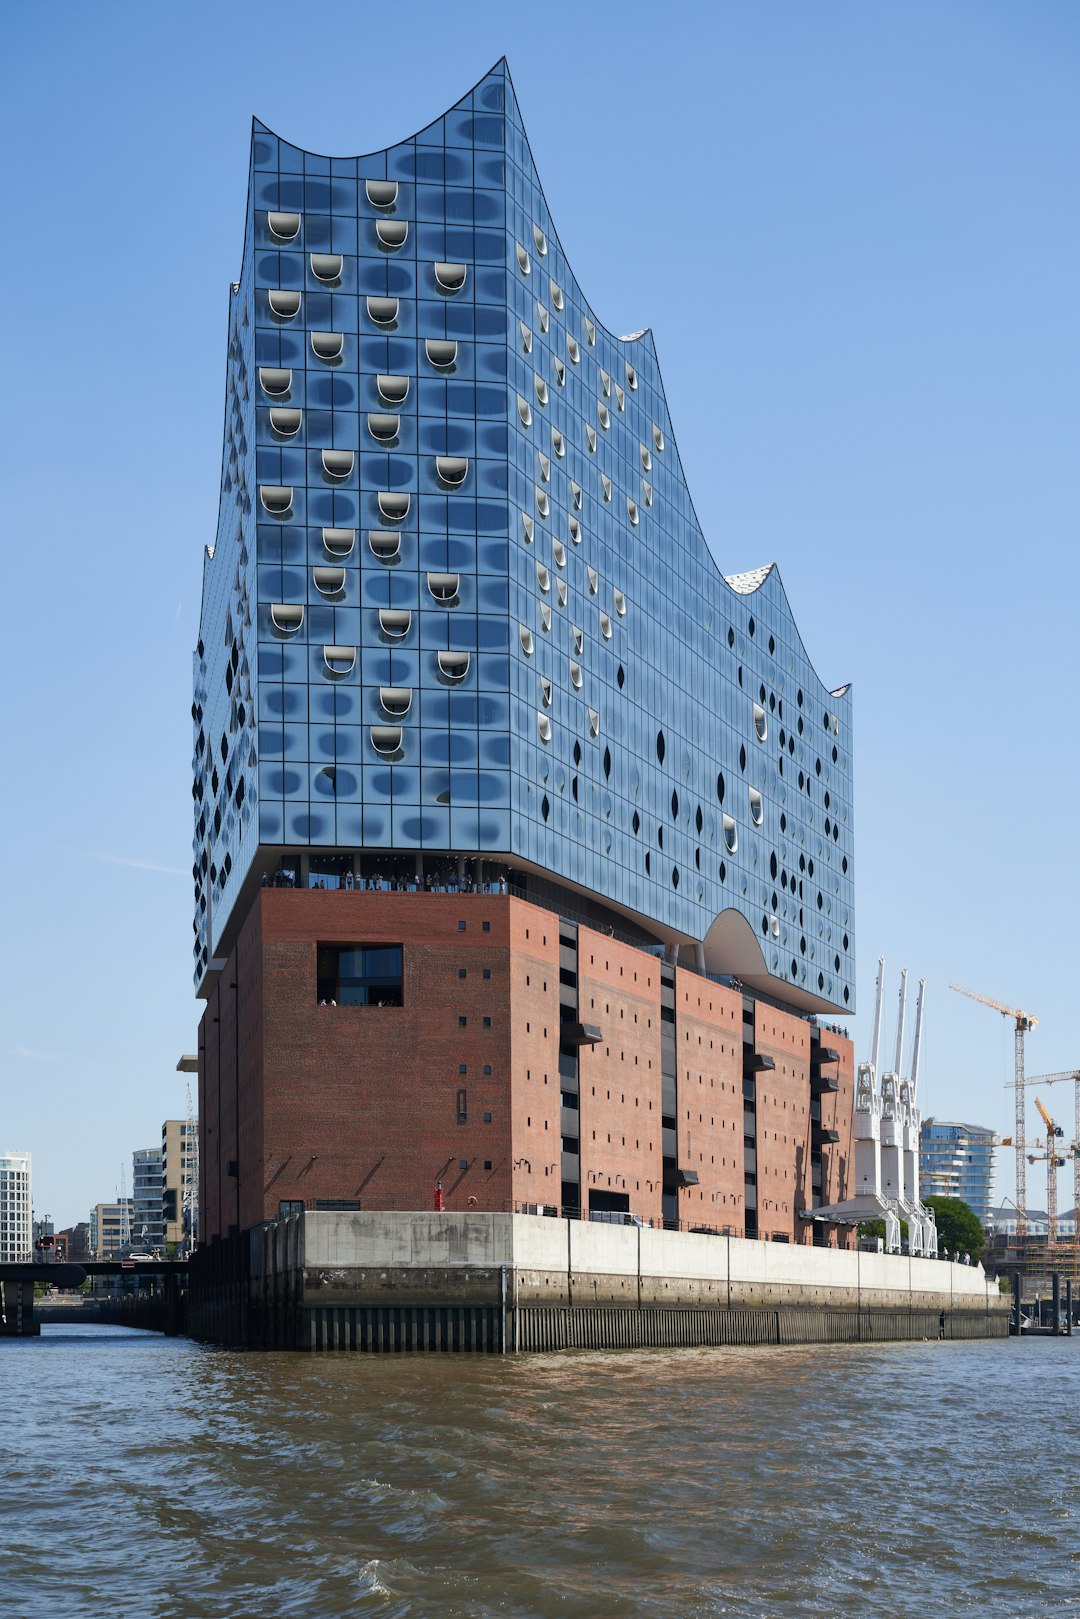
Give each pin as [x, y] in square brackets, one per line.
[156, 1302]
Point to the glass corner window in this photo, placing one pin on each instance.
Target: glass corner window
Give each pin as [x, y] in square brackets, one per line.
[359, 975]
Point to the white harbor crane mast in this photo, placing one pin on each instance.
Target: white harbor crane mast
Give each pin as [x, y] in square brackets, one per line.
[927, 1236]
[869, 1201]
[1023, 1022]
[892, 1129]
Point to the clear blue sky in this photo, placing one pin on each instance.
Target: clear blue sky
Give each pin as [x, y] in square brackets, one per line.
[853, 229]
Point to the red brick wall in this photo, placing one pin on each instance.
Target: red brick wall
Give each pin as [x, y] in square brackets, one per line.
[621, 1143]
[708, 1050]
[359, 1104]
[783, 1123]
[837, 1162]
[534, 1055]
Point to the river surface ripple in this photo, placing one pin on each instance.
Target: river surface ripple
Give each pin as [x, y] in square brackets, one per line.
[145, 1476]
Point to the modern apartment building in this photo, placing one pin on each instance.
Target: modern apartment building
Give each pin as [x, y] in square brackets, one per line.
[957, 1160]
[523, 835]
[147, 1217]
[16, 1209]
[111, 1228]
[178, 1162]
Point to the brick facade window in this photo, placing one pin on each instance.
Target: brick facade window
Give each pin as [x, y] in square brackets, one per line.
[359, 975]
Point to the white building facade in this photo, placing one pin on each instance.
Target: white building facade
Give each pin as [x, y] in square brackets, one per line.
[16, 1235]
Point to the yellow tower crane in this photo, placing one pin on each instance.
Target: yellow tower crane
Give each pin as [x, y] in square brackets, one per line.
[1053, 1164]
[1022, 1021]
[1069, 1076]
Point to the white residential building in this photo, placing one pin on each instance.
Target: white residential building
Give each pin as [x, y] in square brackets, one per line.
[16, 1237]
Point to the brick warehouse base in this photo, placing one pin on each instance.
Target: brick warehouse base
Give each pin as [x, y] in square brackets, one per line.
[404, 1283]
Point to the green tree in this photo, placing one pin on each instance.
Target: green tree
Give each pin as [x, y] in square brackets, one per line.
[876, 1228]
[959, 1227]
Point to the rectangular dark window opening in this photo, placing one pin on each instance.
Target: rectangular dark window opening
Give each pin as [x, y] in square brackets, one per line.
[290, 1205]
[359, 975]
[462, 1107]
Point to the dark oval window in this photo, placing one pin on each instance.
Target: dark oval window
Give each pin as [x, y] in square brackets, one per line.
[607, 761]
[751, 626]
[545, 807]
[699, 819]
[773, 867]
[723, 872]
[742, 758]
[621, 676]
[674, 805]
[661, 746]
[720, 786]
[674, 876]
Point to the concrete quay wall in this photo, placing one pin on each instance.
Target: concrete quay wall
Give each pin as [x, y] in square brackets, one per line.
[492, 1282]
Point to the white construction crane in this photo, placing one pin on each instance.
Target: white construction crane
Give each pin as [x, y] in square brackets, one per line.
[1023, 1022]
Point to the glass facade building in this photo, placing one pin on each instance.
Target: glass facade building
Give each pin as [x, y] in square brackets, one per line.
[957, 1160]
[459, 621]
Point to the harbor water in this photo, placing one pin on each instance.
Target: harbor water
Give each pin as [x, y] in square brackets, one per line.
[151, 1477]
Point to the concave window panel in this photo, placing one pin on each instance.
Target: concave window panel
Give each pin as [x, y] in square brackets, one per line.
[286, 227]
[453, 665]
[590, 434]
[441, 352]
[631, 376]
[761, 723]
[658, 438]
[340, 541]
[558, 443]
[594, 722]
[632, 512]
[523, 262]
[603, 415]
[620, 602]
[276, 498]
[543, 726]
[542, 317]
[395, 700]
[386, 739]
[383, 427]
[540, 240]
[757, 808]
[452, 469]
[381, 193]
[647, 491]
[395, 622]
[575, 674]
[605, 483]
[394, 504]
[594, 581]
[327, 345]
[545, 466]
[384, 544]
[525, 636]
[558, 551]
[731, 834]
[444, 586]
[590, 332]
[339, 660]
[605, 626]
[529, 527]
[383, 311]
[392, 233]
[286, 617]
[524, 411]
[646, 458]
[578, 636]
[574, 527]
[573, 348]
[326, 266]
[560, 373]
[285, 421]
[575, 494]
[543, 578]
[557, 299]
[526, 337]
[545, 617]
[561, 591]
[392, 390]
[620, 397]
[284, 304]
[545, 691]
[543, 504]
[605, 383]
[541, 388]
[274, 381]
[338, 463]
[451, 277]
[329, 581]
